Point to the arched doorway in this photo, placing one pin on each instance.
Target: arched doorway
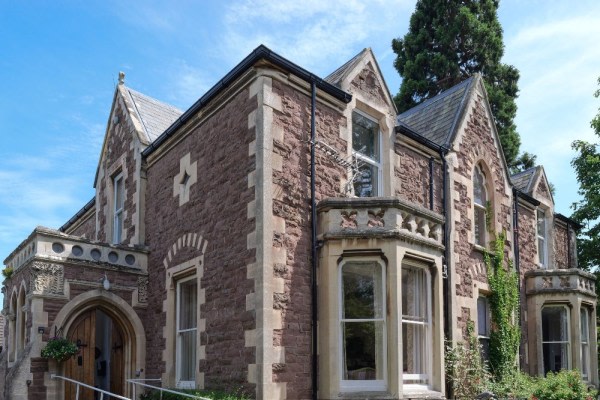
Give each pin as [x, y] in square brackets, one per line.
[100, 361]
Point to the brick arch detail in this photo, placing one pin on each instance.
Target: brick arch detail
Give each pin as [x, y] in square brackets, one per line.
[192, 240]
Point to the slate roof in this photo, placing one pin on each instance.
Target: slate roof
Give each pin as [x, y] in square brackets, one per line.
[436, 118]
[336, 77]
[523, 180]
[155, 115]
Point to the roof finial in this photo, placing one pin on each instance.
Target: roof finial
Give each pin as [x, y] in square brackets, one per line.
[121, 77]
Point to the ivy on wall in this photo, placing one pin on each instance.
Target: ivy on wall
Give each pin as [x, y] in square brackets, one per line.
[505, 334]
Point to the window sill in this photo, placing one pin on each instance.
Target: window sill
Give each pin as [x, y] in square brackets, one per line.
[480, 248]
[420, 392]
[384, 395]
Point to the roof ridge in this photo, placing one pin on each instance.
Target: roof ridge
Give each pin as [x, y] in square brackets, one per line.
[346, 65]
[528, 170]
[153, 98]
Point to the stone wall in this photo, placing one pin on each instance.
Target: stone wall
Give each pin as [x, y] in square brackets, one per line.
[217, 211]
[86, 227]
[411, 174]
[370, 86]
[118, 157]
[291, 206]
[561, 246]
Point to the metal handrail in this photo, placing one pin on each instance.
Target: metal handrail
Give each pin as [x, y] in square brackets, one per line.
[139, 382]
[102, 392]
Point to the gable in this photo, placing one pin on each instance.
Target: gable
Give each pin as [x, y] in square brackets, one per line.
[542, 187]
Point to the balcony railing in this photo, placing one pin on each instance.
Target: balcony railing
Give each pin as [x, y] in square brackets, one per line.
[379, 217]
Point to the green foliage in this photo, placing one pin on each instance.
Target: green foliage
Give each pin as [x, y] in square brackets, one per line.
[8, 272]
[524, 162]
[59, 349]
[464, 367]
[564, 385]
[505, 335]
[514, 385]
[449, 41]
[210, 394]
[587, 210]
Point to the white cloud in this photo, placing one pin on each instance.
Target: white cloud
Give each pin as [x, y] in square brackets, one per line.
[319, 35]
[558, 58]
[188, 84]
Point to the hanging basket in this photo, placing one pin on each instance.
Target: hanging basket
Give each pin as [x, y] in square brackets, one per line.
[59, 349]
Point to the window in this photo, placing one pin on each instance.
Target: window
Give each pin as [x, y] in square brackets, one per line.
[585, 343]
[416, 326]
[119, 203]
[366, 149]
[541, 237]
[187, 326]
[480, 200]
[362, 326]
[555, 338]
[483, 326]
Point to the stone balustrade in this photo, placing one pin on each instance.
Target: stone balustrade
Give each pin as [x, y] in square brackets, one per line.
[560, 280]
[341, 218]
[52, 245]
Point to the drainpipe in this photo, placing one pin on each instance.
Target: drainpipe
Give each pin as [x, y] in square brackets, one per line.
[568, 244]
[517, 263]
[313, 221]
[431, 183]
[446, 265]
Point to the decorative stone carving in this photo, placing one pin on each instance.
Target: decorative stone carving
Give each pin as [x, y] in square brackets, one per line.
[376, 218]
[565, 282]
[142, 284]
[547, 282]
[47, 278]
[349, 219]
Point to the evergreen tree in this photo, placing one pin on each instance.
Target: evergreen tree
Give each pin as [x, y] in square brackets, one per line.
[448, 41]
[587, 210]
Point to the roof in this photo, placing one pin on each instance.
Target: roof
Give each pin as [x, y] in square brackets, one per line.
[336, 77]
[155, 115]
[436, 118]
[523, 180]
[260, 53]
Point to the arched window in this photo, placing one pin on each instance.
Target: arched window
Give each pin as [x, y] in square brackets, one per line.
[480, 199]
[21, 320]
[12, 330]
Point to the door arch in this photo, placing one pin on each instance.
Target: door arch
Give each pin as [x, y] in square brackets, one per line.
[128, 347]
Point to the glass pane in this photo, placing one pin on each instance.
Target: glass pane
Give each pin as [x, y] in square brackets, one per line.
[479, 225]
[414, 294]
[187, 356]
[365, 184]
[554, 324]
[555, 357]
[485, 348]
[365, 136]
[119, 199]
[585, 349]
[188, 304]
[118, 227]
[482, 317]
[362, 291]
[541, 251]
[414, 350]
[363, 350]
[479, 195]
[584, 325]
[541, 223]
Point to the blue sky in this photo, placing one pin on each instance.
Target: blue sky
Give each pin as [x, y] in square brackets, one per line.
[59, 62]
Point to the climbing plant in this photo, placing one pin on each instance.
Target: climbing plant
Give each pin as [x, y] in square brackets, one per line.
[505, 334]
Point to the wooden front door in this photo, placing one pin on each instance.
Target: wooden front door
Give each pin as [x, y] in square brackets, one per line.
[81, 366]
[88, 366]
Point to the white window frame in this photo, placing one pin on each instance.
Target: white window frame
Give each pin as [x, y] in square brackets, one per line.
[585, 342]
[480, 208]
[484, 336]
[542, 236]
[428, 332]
[178, 346]
[566, 341]
[118, 209]
[362, 385]
[368, 160]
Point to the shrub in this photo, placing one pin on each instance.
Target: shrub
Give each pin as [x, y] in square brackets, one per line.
[513, 385]
[59, 349]
[564, 385]
[210, 394]
[8, 272]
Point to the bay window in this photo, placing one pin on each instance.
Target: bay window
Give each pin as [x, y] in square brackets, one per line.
[416, 326]
[363, 326]
[585, 343]
[555, 338]
[366, 150]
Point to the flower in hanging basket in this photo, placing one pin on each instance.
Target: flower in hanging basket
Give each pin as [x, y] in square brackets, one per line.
[59, 349]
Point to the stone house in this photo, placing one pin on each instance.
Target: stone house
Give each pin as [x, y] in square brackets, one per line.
[293, 237]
